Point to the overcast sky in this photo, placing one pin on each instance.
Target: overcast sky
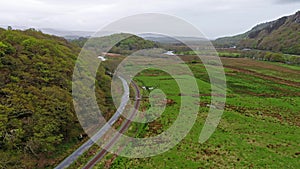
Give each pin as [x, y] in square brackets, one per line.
[214, 18]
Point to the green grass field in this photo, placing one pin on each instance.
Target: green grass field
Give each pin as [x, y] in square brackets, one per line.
[259, 127]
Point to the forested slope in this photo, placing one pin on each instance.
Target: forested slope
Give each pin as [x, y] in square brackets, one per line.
[281, 35]
[37, 118]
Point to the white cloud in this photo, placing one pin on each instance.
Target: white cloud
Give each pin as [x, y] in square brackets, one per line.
[213, 17]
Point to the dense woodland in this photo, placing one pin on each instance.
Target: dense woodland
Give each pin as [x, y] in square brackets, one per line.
[36, 110]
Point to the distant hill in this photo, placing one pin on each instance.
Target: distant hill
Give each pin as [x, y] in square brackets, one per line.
[128, 45]
[67, 34]
[226, 42]
[159, 38]
[281, 35]
[170, 40]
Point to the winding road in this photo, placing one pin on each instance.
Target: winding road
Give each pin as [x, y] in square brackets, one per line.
[123, 128]
[88, 144]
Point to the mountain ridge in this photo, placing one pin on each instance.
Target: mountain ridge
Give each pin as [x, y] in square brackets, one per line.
[281, 35]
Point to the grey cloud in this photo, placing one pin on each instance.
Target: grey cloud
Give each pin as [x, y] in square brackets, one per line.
[287, 1]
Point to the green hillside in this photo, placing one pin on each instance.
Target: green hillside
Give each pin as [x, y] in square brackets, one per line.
[281, 35]
[37, 119]
[227, 42]
[128, 45]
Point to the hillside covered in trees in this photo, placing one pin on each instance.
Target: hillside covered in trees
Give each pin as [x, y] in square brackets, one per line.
[128, 45]
[37, 118]
[281, 35]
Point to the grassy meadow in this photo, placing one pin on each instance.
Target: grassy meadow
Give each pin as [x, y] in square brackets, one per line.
[259, 127]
